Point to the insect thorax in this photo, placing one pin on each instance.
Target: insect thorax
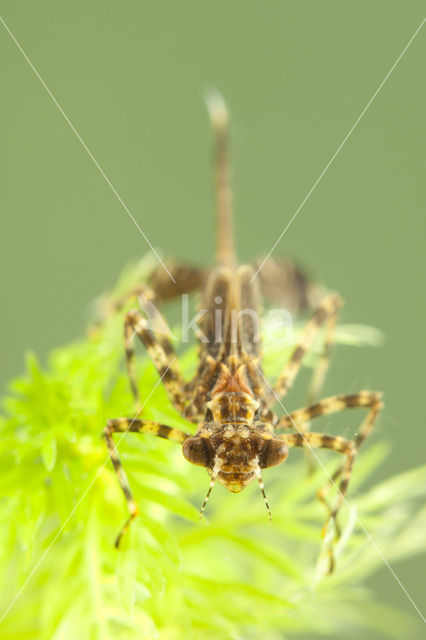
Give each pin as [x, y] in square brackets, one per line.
[232, 443]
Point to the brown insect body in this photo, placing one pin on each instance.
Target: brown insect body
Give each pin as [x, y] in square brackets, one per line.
[232, 442]
[229, 400]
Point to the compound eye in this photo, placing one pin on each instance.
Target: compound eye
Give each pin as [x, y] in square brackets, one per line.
[274, 452]
[197, 451]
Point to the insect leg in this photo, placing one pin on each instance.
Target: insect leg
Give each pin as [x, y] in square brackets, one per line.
[283, 283]
[335, 443]
[334, 404]
[364, 399]
[158, 288]
[187, 279]
[162, 354]
[318, 376]
[326, 310]
[124, 425]
[321, 368]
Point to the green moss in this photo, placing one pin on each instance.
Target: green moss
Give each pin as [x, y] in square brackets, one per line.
[232, 576]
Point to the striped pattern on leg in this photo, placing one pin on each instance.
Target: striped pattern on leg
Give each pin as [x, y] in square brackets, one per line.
[162, 355]
[320, 371]
[327, 309]
[335, 443]
[124, 425]
[318, 377]
[334, 404]
[364, 399]
[314, 440]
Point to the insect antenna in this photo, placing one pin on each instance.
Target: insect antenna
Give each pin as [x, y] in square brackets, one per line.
[212, 481]
[262, 489]
[203, 506]
[219, 117]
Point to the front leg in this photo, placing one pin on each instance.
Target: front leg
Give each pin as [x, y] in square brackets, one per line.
[371, 400]
[125, 425]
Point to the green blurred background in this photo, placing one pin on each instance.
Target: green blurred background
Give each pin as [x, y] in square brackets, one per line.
[131, 77]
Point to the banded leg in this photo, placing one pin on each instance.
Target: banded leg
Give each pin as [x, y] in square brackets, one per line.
[321, 368]
[334, 404]
[124, 425]
[318, 376]
[324, 312]
[364, 399]
[162, 354]
[335, 443]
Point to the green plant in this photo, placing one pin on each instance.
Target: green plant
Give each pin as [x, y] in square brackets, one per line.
[233, 576]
